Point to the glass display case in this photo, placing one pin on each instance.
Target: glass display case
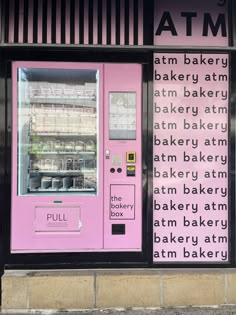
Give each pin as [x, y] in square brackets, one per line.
[57, 130]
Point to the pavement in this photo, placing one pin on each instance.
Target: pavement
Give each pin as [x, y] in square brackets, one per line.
[224, 310]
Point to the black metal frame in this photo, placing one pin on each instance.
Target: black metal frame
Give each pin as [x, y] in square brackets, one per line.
[98, 53]
[66, 260]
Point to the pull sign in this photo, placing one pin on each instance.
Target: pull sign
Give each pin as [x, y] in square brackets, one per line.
[57, 219]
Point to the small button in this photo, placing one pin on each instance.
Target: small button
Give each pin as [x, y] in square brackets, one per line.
[131, 156]
[112, 170]
[119, 170]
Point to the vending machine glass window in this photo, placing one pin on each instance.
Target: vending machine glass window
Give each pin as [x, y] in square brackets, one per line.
[57, 131]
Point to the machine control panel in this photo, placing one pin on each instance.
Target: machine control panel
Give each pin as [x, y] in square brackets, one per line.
[123, 139]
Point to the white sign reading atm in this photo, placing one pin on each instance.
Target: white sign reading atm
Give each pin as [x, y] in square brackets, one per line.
[191, 22]
[57, 219]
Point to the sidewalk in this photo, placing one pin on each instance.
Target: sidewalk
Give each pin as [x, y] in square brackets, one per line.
[224, 310]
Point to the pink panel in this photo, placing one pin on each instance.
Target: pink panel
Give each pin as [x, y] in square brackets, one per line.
[40, 21]
[104, 22]
[122, 202]
[131, 22]
[95, 22]
[177, 33]
[86, 22]
[49, 21]
[90, 218]
[58, 22]
[122, 22]
[119, 189]
[77, 39]
[21, 21]
[30, 22]
[68, 22]
[140, 22]
[11, 21]
[190, 174]
[113, 22]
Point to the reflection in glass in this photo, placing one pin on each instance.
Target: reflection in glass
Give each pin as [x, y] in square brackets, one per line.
[122, 115]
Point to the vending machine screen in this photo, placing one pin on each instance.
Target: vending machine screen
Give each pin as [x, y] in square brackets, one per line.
[122, 115]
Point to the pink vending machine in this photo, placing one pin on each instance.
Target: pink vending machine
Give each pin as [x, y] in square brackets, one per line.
[76, 157]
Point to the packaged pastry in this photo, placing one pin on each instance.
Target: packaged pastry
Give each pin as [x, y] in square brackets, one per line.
[46, 182]
[67, 182]
[56, 182]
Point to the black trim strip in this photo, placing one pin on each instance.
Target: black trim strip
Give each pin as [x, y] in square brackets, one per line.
[63, 21]
[117, 22]
[53, 26]
[126, 22]
[108, 22]
[6, 15]
[145, 48]
[100, 22]
[35, 21]
[16, 21]
[136, 10]
[81, 21]
[72, 21]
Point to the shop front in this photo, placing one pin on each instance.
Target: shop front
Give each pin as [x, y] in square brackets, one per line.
[117, 153]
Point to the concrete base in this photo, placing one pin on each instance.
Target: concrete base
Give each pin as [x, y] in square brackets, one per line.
[89, 289]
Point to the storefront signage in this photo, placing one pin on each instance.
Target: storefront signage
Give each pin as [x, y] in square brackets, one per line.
[190, 157]
[122, 205]
[190, 22]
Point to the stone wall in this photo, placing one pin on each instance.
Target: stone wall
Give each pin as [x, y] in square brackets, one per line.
[89, 289]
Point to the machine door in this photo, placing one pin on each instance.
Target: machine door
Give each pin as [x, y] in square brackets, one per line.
[57, 168]
[76, 157]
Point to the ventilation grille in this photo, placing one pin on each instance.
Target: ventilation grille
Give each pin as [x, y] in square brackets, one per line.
[79, 22]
